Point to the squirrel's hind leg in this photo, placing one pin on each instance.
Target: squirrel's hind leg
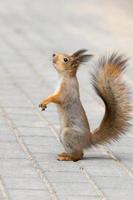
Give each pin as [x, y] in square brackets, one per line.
[72, 146]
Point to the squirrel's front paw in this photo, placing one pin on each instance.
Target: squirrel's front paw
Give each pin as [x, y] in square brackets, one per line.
[43, 106]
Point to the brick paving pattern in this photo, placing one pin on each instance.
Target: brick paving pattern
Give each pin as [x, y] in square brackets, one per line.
[30, 31]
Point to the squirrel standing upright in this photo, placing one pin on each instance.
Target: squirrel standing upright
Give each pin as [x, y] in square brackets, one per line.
[75, 134]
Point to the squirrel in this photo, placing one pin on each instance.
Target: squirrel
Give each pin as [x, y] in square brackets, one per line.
[75, 134]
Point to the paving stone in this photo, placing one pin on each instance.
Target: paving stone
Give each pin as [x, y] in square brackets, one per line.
[66, 177]
[29, 194]
[23, 183]
[48, 163]
[115, 182]
[17, 168]
[115, 194]
[10, 149]
[36, 132]
[84, 197]
[76, 188]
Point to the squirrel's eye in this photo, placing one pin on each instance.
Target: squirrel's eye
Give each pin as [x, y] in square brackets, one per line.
[53, 54]
[65, 59]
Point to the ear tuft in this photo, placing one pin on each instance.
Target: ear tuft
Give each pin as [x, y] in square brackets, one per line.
[84, 58]
[79, 52]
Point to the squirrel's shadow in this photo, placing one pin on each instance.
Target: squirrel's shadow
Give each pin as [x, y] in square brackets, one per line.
[97, 158]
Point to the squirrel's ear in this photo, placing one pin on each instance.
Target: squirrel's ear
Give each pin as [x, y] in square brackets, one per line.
[80, 59]
[84, 58]
[79, 52]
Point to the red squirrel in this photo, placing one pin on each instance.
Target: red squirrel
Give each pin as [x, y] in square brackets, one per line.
[75, 134]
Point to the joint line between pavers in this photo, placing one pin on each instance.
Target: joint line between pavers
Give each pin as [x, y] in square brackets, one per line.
[119, 162]
[3, 190]
[90, 179]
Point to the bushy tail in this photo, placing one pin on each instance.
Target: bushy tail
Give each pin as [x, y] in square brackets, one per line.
[109, 86]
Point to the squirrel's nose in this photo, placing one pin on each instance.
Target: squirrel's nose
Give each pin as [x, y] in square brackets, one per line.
[54, 58]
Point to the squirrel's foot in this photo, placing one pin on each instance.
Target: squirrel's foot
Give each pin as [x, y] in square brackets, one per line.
[66, 154]
[66, 157]
[42, 106]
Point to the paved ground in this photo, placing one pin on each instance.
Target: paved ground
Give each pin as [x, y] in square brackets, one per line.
[30, 31]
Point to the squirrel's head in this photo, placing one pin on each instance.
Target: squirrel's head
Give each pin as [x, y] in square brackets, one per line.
[69, 63]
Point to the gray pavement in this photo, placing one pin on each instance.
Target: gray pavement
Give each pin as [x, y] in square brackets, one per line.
[30, 31]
